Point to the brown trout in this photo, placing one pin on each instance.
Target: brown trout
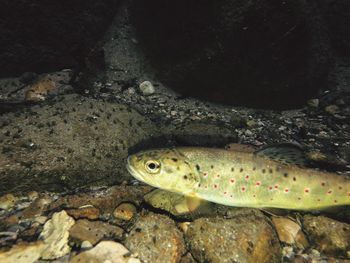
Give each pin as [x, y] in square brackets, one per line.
[269, 178]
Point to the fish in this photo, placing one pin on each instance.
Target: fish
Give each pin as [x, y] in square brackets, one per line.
[273, 177]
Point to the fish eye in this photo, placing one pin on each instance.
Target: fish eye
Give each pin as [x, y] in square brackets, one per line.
[152, 166]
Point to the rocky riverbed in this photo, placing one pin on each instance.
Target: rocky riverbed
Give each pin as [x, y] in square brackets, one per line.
[68, 124]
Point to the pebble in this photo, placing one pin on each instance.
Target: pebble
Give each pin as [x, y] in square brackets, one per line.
[94, 231]
[36, 208]
[231, 240]
[86, 244]
[146, 88]
[32, 195]
[313, 103]
[328, 235]
[23, 253]
[55, 235]
[289, 232]
[106, 252]
[7, 201]
[155, 238]
[89, 212]
[125, 211]
[41, 219]
[332, 109]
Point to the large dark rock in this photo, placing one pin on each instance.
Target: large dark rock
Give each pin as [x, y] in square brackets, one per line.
[272, 54]
[43, 36]
[68, 143]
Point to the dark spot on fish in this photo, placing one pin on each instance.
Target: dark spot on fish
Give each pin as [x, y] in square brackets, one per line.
[285, 175]
[254, 168]
[241, 170]
[198, 167]
[232, 169]
[178, 168]
[185, 177]
[174, 159]
[263, 171]
[270, 171]
[199, 185]
[212, 166]
[294, 179]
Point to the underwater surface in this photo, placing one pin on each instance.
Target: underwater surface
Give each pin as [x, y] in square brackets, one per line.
[175, 131]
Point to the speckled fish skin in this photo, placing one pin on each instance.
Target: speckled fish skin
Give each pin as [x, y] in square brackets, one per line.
[239, 179]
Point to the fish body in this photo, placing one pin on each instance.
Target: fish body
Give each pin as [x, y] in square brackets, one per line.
[237, 178]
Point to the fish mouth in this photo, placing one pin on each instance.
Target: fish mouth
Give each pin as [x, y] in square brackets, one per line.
[132, 170]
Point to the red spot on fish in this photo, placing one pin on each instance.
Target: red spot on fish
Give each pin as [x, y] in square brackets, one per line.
[247, 177]
[258, 183]
[225, 193]
[215, 186]
[349, 194]
[270, 187]
[307, 190]
[329, 192]
[286, 190]
[323, 183]
[276, 186]
[232, 181]
[243, 189]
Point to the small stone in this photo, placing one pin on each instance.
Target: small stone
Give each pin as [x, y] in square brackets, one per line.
[86, 244]
[7, 201]
[251, 123]
[332, 109]
[89, 212]
[32, 195]
[94, 231]
[40, 219]
[313, 103]
[36, 208]
[125, 211]
[146, 88]
[248, 133]
[23, 253]
[328, 235]
[155, 238]
[289, 232]
[106, 252]
[55, 235]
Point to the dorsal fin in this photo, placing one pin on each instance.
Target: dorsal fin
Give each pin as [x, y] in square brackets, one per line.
[286, 153]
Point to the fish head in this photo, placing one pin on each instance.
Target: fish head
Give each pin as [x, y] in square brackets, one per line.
[167, 169]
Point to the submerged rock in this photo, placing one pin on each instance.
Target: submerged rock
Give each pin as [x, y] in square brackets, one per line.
[328, 235]
[23, 253]
[155, 238]
[106, 251]
[290, 232]
[7, 201]
[125, 211]
[94, 231]
[240, 239]
[70, 142]
[55, 235]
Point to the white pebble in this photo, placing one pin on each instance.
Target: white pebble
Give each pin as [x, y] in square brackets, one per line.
[147, 88]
